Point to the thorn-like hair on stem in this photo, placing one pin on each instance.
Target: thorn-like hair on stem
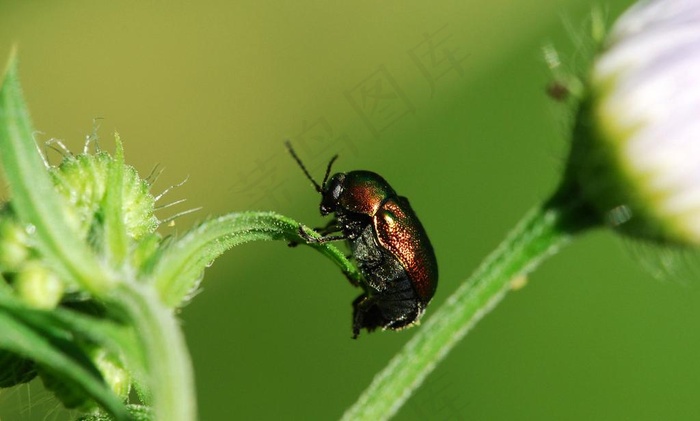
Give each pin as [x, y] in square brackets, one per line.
[166, 191]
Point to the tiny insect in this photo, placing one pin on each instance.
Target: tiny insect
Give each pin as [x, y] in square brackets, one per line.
[387, 241]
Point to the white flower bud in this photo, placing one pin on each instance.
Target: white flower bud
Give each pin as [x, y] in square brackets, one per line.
[636, 154]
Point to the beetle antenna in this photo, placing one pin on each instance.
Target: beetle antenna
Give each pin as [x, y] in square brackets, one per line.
[303, 168]
[328, 170]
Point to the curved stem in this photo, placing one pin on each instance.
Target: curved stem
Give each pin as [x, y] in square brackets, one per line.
[179, 264]
[541, 233]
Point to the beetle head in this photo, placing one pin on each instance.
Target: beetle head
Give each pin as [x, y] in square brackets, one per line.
[332, 189]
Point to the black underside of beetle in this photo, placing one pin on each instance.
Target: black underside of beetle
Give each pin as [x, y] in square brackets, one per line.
[389, 301]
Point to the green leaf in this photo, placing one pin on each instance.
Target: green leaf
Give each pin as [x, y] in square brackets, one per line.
[116, 239]
[51, 349]
[178, 269]
[117, 338]
[138, 413]
[60, 329]
[15, 369]
[34, 198]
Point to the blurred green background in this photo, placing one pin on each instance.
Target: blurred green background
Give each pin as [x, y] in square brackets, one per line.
[445, 99]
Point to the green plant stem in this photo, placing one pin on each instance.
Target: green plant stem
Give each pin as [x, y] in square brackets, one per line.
[170, 377]
[188, 257]
[540, 234]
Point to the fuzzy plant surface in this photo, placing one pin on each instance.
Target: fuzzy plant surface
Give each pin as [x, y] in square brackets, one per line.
[90, 290]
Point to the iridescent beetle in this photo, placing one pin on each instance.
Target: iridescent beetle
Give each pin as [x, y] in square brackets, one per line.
[388, 242]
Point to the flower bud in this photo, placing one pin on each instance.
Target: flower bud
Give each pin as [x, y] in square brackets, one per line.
[13, 243]
[636, 152]
[38, 287]
[84, 180]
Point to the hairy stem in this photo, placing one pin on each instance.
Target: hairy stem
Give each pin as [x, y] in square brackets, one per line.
[541, 233]
[170, 377]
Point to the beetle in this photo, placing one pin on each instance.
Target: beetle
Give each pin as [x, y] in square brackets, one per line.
[387, 241]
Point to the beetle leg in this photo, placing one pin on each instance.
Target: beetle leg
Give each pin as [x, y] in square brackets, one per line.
[331, 227]
[319, 240]
[366, 315]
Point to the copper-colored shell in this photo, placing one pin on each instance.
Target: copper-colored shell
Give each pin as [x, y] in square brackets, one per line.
[400, 232]
[396, 225]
